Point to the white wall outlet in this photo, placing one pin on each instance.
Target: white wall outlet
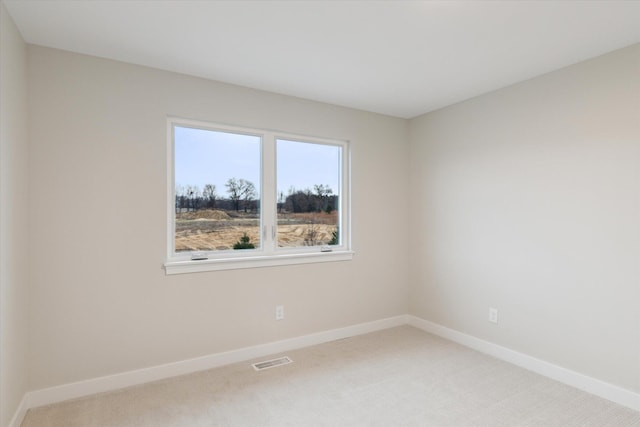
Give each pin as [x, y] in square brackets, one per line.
[279, 312]
[493, 315]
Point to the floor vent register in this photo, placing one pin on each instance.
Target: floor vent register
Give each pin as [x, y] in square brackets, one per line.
[260, 366]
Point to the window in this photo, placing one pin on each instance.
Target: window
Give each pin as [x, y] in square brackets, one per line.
[308, 183]
[216, 189]
[241, 198]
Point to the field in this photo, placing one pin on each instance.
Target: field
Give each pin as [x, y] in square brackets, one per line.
[208, 229]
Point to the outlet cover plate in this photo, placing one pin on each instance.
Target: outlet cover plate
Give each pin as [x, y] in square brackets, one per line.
[493, 315]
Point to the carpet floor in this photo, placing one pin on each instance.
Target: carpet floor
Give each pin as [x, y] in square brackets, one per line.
[396, 377]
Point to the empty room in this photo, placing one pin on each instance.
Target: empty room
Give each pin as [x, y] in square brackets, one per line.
[319, 213]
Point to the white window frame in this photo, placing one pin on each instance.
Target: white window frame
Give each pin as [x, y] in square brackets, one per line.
[268, 254]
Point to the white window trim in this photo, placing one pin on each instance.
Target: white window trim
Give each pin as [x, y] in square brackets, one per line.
[178, 267]
[268, 254]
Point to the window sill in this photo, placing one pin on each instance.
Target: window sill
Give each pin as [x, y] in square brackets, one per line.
[188, 266]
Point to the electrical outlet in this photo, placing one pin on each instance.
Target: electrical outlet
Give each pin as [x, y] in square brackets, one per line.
[279, 312]
[493, 315]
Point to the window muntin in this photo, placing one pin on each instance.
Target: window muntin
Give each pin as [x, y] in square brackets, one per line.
[262, 211]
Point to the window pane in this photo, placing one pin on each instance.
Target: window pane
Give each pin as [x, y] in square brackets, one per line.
[308, 186]
[217, 190]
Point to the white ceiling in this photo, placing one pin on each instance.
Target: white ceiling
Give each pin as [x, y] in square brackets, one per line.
[400, 58]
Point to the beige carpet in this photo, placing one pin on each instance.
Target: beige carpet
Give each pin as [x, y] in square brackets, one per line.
[398, 377]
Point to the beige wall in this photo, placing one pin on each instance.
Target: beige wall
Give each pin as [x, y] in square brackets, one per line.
[527, 199]
[13, 218]
[101, 303]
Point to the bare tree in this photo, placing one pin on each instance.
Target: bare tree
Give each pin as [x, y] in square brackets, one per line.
[209, 195]
[192, 192]
[322, 190]
[240, 190]
[312, 234]
[281, 201]
[249, 193]
[234, 190]
[322, 193]
[180, 199]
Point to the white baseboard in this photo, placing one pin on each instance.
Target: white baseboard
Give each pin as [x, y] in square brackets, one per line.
[23, 407]
[126, 379]
[580, 381]
[131, 378]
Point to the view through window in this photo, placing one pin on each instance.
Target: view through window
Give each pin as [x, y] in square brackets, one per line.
[308, 193]
[248, 193]
[217, 190]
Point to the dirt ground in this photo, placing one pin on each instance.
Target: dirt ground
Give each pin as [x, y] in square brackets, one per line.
[220, 230]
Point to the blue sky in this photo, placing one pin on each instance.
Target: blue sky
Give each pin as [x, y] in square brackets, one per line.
[211, 157]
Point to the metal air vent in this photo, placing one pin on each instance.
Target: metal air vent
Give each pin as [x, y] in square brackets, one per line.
[259, 366]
